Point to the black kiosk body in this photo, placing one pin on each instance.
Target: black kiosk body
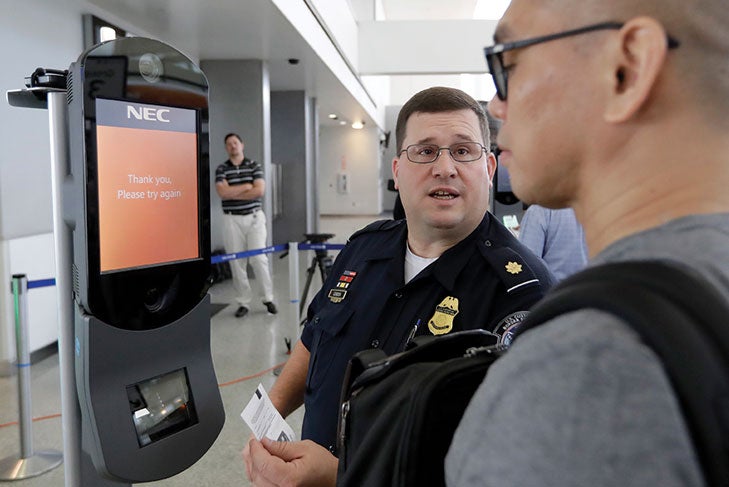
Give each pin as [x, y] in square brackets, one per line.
[139, 206]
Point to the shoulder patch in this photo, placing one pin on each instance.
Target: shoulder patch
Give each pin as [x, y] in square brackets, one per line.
[509, 326]
[378, 226]
[513, 270]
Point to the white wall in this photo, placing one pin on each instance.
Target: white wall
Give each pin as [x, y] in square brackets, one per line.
[34, 257]
[402, 87]
[355, 153]
[424, 47]
[379, 87]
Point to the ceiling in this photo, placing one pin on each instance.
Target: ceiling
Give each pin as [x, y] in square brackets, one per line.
[428, 9]
[256, 29]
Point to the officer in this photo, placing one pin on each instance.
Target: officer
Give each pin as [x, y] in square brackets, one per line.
[449, 266]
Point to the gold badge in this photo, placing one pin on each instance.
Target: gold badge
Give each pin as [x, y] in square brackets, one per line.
[336, 295]
[442, 320]
[513, 268]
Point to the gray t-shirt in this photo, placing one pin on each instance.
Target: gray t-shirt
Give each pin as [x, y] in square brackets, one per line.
[580, 401]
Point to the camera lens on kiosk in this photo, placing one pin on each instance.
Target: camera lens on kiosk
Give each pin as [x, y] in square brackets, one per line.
[150, 67]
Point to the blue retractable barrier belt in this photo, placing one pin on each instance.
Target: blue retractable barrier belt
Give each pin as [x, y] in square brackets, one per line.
[225, 257]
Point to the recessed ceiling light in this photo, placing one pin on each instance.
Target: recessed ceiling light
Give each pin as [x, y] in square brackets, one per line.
[357, 125]
[333, 116]
[342, 122]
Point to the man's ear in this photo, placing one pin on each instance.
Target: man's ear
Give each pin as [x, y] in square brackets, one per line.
[636, 58]
[395, 168]
[491, 167]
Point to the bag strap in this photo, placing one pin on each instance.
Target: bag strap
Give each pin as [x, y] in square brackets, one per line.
[372, 364]
[684, 320]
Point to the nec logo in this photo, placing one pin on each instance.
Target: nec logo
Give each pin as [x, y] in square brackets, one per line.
[148, 113]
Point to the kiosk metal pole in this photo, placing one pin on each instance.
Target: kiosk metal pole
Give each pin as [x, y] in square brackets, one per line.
[29, 463]
[78, 469]
[71, 413]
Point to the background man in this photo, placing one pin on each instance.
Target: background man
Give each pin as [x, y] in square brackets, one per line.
[239, 182]
[401, 278]
[557, 237]
[580, 400]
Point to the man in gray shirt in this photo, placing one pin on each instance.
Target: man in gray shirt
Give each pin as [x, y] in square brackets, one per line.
[599, 117]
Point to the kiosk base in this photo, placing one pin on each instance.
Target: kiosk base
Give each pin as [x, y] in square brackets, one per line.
[149, 399]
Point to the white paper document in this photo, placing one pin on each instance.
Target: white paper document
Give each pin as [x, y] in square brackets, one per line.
[264, 419]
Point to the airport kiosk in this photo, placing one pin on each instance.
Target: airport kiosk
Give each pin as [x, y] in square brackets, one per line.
[138, 202]
[131, 217]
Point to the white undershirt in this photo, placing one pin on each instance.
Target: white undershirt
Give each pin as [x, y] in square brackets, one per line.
[414, 263]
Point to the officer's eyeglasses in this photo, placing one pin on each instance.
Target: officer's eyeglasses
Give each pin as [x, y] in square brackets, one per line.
[495, 59]
[460, 152]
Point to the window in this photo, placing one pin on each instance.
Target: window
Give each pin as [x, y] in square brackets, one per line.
[97, 31]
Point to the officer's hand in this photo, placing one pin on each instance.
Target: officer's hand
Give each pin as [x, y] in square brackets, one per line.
[247, 455]
[298, 463]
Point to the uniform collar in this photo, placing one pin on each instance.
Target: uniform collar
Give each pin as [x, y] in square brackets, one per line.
[392, 248]
[447, 268]
[391, 252]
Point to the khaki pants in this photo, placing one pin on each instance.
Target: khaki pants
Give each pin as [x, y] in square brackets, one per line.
[248, 232]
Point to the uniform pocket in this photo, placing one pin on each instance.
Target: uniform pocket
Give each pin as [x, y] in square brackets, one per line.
[326, 328]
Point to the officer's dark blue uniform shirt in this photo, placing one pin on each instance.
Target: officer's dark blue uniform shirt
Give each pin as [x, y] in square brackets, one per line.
[488, 280]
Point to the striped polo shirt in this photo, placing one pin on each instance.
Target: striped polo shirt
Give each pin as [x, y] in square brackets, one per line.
[247, 172]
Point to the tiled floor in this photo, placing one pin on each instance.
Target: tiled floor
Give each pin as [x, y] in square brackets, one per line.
[242, 348]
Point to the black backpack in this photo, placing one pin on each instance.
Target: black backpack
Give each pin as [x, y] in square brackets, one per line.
[399, 413]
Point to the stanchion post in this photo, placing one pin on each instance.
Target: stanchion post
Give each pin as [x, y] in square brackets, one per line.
[20, 305]
[28, 463]
[294, 287]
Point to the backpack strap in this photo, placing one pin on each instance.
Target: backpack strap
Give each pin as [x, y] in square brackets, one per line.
[372, 364]
[684, 320]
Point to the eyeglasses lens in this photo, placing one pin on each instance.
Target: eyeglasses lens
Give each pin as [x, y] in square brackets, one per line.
[461, 152]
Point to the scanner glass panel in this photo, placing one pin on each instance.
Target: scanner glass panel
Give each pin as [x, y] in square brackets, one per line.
[161, 406]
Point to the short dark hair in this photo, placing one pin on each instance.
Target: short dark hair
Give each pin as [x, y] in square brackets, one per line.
[232, 134]
[440, 99]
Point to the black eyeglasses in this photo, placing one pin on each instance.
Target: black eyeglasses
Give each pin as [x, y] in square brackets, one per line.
[495, 60]
[460, 152]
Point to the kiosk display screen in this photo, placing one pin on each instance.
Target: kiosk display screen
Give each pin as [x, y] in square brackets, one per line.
[147, 185]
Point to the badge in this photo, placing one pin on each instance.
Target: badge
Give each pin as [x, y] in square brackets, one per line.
[336, 295]
[339, 292]
[442, 320]
[509, 326]
[513, 268]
